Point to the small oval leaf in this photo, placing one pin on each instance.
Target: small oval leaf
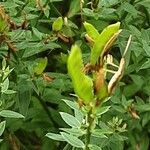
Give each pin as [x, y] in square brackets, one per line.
[10, 114]
[70, 120]
[54, 136]
[41, 65]
[57, 24]
[72, 140]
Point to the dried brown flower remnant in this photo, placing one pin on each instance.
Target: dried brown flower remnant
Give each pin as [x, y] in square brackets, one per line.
[118, 75]
[3, 19]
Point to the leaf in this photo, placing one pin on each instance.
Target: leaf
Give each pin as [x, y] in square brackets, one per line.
[71, 104]
[143, 108]
[79, 115]
[146, 47]
[73, 131]
[108, 3]
[102, 131]
[74, 8]
[102, 40]
[146, 64]
[72, 140]
[102, 110]
[41, 65]
[2, 127]
[54, 136]
[129, 8]
[91, 31]
[144, 143]
[83, 85]
[10, 92]
[5, 85]
[37, 33]
[3, 64]
[24, 98]
[57, 24]
[70, 120]
[36, 48]
[10, 114]
[94, 147]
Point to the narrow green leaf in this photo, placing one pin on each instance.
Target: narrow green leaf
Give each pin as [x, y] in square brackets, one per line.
[71, 104]
[79, 115]
[72, 140]
[57, 24]
[10, 92]
[2, 127]
[37, 33]
[144, 143]
[54, 136]
[10, 114]
[102, 110]
[146, 47]
[35, 48]
[3, 64]
[102, 131]
[130, 8]
[74, 131]
[24, 98]
[5, 85]
[146, 64]
[83, 85]
[70, 120]
[143, 108]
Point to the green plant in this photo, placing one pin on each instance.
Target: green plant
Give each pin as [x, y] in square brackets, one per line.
[35, 37]
[91, 92]
[4, 85]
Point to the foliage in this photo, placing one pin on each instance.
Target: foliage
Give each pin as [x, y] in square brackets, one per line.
[35, 37]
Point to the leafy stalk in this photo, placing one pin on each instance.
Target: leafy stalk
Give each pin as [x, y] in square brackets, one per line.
[90, 121]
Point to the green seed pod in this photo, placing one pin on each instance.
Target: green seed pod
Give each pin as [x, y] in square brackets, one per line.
[40, 66]
[91, 31]
[102, 40]
[83, 85]
[57, 24]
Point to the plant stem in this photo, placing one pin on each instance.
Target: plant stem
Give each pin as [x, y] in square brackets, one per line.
[89, 121]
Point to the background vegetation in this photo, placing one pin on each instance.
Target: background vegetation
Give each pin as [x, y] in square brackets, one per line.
[38, 53]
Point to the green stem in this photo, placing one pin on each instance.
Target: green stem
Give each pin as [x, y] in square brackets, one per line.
[90, 121]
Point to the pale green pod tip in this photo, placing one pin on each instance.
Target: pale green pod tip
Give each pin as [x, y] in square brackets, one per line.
[102, 40]
[91, 30]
